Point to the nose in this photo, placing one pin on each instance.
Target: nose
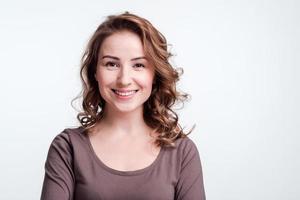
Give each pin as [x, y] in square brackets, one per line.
[124, 77]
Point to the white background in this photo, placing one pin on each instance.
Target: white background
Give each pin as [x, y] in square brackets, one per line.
[241, 62]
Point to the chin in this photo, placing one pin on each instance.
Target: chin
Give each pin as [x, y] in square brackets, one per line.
[127, 108]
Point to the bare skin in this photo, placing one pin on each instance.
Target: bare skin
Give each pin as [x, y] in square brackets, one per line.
[123, 151]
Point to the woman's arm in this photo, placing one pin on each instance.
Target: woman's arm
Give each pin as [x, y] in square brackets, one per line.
[190, 184]
[59, 177]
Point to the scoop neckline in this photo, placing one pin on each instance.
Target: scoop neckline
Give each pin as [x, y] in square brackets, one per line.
[119, 172]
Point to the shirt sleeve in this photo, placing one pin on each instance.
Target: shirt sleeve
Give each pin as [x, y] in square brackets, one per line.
[59, 177]
[190, 184]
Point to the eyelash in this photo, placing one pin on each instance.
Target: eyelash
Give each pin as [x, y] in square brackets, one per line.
[112, 64]
[140, 64]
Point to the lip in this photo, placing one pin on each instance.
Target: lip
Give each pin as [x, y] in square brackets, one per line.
[123, 90]
[124, 97]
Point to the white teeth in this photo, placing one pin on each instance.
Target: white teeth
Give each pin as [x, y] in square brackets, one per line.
[125, 93]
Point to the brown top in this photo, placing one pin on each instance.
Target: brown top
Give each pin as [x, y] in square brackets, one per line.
[73, 171]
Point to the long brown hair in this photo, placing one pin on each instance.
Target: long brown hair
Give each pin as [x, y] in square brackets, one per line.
[158, 113]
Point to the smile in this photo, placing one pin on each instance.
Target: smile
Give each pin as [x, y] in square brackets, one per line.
[127, 93]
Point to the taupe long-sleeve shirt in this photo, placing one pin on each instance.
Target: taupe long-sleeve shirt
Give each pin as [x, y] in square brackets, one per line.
[73, 171]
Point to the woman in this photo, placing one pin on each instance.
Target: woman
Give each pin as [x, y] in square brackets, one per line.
[129, 144]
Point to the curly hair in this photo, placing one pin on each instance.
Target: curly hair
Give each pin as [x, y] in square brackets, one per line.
[157, 113]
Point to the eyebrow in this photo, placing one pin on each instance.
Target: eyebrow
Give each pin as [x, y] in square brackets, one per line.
[116, 58]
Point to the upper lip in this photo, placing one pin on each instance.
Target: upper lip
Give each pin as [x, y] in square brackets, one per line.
[124, 90]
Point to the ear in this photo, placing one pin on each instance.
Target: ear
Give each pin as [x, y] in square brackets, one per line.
[95, 77]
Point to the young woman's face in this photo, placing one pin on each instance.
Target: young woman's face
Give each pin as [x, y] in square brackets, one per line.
[123, 73]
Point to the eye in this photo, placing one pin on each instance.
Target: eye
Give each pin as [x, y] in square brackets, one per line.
[139, 65]
[111, 64]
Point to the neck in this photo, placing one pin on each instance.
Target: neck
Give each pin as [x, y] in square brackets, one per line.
[124, 123]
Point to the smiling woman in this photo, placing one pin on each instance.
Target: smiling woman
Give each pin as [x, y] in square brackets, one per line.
[130, 144]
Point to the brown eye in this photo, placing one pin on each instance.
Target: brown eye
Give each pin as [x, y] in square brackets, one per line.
[111, 64]
[139, 65]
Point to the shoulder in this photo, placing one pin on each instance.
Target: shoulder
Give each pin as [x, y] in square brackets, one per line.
[186, 151]
[67, 134]
[62, 143]
[186, 145]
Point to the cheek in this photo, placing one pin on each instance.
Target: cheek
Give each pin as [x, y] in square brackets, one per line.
[103, 79]
[145, 81]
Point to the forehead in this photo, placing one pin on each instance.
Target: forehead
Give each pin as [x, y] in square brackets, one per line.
[123, 43]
